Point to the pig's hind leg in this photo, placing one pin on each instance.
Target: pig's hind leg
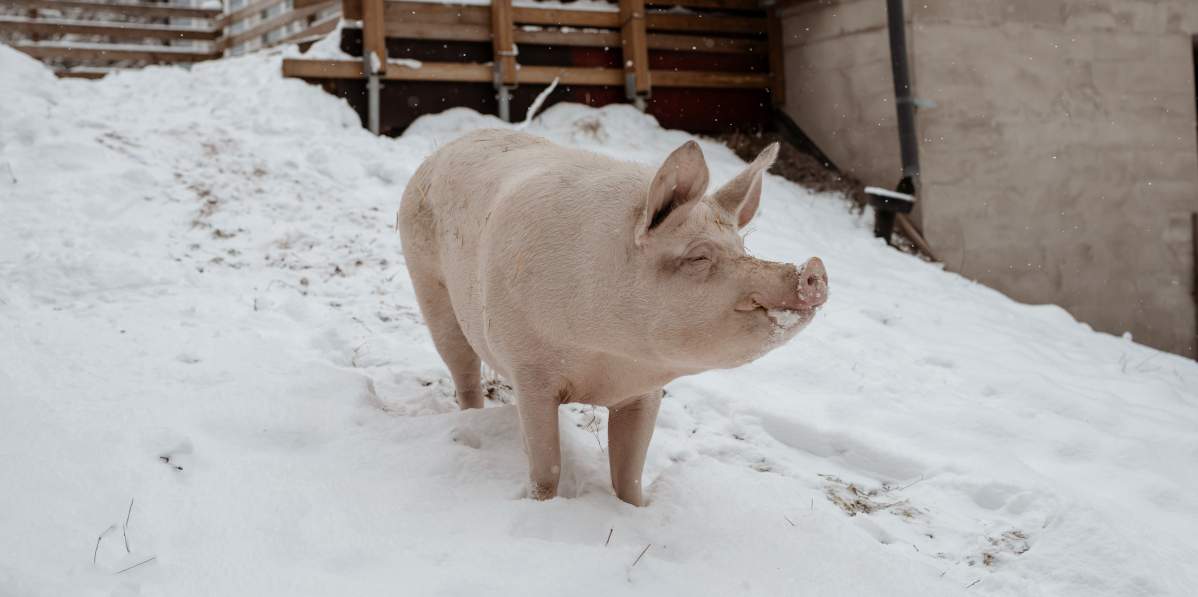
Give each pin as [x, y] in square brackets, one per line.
[464, 364]
[629, 429]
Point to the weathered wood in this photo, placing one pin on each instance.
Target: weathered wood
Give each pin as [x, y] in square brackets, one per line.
[636, 51]
[567, 18]
[707, 23]
[244, 12]
[714, 4]
[910, 232]
[351, 10]
[438, 31]
[85, 74]
[557, 37]
[777, 72]
[503, 42]
[126, 30]
[704, 79]
[374, 36]
[482, 73]
[718, 45]
[789, 3]
[135, 9]
[269, 25]
[424, 12]
[90, 51]
[314, 31]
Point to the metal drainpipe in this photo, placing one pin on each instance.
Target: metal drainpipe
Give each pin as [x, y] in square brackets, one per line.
[904, 103]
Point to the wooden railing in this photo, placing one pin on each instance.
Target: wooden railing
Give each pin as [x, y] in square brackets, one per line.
[637, 28]
[102, 35]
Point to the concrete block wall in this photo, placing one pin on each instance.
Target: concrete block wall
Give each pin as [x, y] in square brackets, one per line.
[1060, 164]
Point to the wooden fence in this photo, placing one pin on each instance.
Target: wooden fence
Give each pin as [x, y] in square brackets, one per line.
[640, 29]
[88, 39]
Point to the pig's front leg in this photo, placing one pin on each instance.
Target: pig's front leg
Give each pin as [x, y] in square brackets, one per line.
[629, 429]
[538, 421]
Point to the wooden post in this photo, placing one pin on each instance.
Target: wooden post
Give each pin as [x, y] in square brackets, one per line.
[34, 37]
[777, 76]
[374, 57]
[636, 51]
[503, 42]
[374, 37]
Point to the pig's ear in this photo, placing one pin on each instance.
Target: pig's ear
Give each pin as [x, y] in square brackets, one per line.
[675, 190]
[742, 194]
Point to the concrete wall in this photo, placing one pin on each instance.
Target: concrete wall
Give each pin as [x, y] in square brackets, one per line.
[1060, 164]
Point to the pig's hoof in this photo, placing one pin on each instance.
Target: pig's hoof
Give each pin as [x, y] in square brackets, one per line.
[541, 491]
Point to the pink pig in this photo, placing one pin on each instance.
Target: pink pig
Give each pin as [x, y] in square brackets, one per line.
[582, 278]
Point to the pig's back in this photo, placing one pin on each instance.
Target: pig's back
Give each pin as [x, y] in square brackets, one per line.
[531, 239]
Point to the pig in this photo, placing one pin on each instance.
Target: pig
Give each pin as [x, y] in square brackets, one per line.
[583, 278]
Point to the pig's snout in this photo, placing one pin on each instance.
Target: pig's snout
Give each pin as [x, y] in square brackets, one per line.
[812, 290]
[794, 288]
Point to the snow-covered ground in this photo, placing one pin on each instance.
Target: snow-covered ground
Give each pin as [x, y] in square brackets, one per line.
[204, 313]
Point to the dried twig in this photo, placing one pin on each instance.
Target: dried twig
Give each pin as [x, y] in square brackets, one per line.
[638, 558]
[974, 583]
[136, 565]
[97, 551]
[788, 520]
[613, 529]
[920, 479]
[126, 525]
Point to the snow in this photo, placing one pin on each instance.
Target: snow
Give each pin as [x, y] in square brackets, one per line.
[204, 311]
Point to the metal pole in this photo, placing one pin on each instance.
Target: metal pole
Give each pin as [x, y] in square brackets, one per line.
[904, 102]
[505, 103]
[372, 103]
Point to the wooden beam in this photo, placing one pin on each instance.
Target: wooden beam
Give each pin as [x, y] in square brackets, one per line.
[314, 31]
[777, 72]
[556, 37]
[565, 18]
[80, 74]
[269, 25]
[244, 12]
[132, 9]
[126, 30]
[437, 31]
[503, 42]
[374, 36]
[424, 12]
[115, 52]
[543, 75]
[716, 4]
[719, 45]
[707, 23]
[351, 10]
[710, 80]
[635, 49]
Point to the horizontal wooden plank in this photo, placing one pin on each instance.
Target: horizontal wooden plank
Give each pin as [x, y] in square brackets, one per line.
[437, 31]
[556, 37]
[713, 4]
[244, 12]
[680, 78]
[718, 45]
[127, 30]
[134, 9]
[80, 74]
[425, 12]
[482, 73]
[280, 20]
[448, 15]
[707, 23]
[115, 52]
[315, 31]
[567, 18]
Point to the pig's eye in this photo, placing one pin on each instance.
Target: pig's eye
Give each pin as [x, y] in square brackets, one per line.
[698, 259]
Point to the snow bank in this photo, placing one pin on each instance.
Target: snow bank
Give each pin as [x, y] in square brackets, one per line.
[204, 310]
